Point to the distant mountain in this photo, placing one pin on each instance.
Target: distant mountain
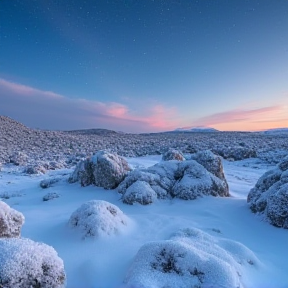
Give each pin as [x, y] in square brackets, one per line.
[196, 129]
[276, 131]
[97, 131]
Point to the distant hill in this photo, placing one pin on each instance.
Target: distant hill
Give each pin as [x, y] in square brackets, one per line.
[276, 131]
[196, 129]
[96, 131]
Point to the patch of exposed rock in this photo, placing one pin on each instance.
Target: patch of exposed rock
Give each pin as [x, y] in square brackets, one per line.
[269, 197]
[173, 154]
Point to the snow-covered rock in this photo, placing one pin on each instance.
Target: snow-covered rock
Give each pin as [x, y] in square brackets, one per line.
[97, 218]
[50, 196]
[46, 183]
[28, 264]
[182, 179]
[191, 258]
[34, 169]
[196, 181]
[269, 197]
[173, 154]
[11, 221]
[104, 169]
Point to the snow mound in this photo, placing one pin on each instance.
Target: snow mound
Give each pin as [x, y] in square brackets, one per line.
[173, 154]
[182, 179]
[36, 168]
[28, 264]
[11, 221]
[97, 218]
[104, 169]
[269, 197]
[191, 258]
[46, 183]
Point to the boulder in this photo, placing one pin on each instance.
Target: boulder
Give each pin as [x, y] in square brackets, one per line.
[28, 264]
[269, 197]
[11, 221]
[191, 258]
[173, 154]
[104, 169]
[97, 218]
[50, 196]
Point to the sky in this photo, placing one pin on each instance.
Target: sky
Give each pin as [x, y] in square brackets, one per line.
[145, 65]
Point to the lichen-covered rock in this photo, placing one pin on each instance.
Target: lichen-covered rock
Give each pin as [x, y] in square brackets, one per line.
[269, 197]
[173, 154]
[104, 169]
[28, 264]
[182, 179]
[191, 258]
[11, 221]
[97, 218]
[50, 196]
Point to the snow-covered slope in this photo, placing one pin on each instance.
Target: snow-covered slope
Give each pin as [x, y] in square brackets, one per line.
[106, 262]
[276, 131]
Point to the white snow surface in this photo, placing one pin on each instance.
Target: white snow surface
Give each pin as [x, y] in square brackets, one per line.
[106, 262]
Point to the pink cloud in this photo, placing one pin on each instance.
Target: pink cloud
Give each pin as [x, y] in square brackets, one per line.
[45, 109]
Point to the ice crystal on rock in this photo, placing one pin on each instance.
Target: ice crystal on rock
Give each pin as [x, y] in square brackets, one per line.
[11, 221]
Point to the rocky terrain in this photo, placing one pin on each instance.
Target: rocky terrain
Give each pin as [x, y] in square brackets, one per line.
[56, 149]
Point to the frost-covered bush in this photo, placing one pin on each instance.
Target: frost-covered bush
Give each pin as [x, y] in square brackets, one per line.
[19, 158]
[35, 169]
[50, 196]
[269, 197]
[182, 179]
[11, 221]
[104, 169]
[97, 218]
[28, 264]
[191, 258]
[173, 154]
[235, 152]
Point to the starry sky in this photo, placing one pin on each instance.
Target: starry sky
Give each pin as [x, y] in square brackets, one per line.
[144, 65]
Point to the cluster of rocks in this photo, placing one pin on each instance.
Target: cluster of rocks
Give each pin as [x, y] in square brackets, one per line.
[23, 262]
[40, 150]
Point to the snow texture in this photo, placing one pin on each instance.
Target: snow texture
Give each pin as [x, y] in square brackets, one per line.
[173, 154]
[191, 258]
[28, 264]
[269, 197]
[182, 179]
[11, 221]
[104, 169]
[97, 218]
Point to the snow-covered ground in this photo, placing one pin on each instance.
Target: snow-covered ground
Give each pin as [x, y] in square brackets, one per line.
[104, 262]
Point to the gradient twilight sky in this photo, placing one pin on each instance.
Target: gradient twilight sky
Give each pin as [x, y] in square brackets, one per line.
[144, 65]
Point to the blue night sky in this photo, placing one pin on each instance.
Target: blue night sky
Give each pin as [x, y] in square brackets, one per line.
[144, 66]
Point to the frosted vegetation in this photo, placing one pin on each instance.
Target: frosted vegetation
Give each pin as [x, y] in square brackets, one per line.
[73, 189]
[39, 150]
